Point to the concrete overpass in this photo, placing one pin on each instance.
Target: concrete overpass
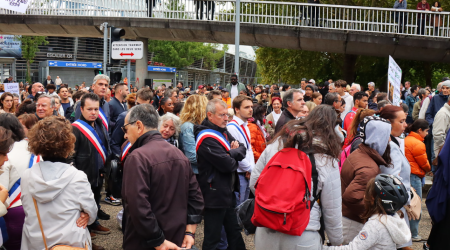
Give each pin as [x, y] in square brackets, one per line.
[434, 49]
[353, 30]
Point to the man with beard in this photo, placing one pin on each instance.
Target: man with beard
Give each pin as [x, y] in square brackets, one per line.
[117, 104]
[235, 87]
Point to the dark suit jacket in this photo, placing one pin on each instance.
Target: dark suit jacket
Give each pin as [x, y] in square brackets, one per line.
[115, 109]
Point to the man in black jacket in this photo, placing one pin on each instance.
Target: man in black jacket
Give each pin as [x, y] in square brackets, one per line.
[91, 150]
[218, 154]
[117, 104]
[293, 103]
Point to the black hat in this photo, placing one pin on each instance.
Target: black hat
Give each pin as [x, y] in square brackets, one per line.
[392, 193]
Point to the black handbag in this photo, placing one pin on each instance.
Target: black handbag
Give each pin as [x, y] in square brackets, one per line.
[114, 176]
[244, 215]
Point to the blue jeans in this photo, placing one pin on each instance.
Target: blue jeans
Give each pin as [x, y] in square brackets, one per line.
[244, 190]
[416, 183]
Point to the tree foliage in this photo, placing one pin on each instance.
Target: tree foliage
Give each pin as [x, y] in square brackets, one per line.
[30, 46]
[289, 66]
[182, 54]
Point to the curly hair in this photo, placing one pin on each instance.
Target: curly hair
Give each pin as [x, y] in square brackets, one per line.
[52, 137]
[194, 109]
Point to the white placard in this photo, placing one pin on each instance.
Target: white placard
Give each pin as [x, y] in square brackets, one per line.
[15, 5]
[127, 50]
[12, 88]
[394, 82]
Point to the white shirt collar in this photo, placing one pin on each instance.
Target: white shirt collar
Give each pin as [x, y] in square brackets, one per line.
[239, 120]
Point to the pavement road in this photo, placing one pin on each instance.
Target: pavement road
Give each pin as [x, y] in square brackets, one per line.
[113, 241]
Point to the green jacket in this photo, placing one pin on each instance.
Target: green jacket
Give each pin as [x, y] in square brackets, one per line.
[240, 87]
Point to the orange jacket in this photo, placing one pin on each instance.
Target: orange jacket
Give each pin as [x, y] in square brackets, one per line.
[416, 154]
[227, 101]
[257, 140]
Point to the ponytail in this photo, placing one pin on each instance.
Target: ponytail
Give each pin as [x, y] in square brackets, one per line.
[416, 125]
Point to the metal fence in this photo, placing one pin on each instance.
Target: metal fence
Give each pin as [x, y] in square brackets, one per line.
[337, 17]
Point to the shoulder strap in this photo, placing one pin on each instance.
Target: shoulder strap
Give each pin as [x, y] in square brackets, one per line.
[40, 223]
[315, 179]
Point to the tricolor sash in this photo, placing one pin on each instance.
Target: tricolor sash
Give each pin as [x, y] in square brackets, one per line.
[241, 130]
[102, 116]
[93, 137]
[211, 133]
[125, 150]
[16, 192]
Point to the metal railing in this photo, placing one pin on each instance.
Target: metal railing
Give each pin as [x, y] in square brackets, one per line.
[321, 16]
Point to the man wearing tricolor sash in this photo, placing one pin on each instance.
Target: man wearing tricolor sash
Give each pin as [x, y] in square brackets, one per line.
[218, 154]
[101, 83]
[243, 109]
[91, 150]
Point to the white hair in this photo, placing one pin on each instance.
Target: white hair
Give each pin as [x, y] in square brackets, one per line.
[175, 119]
[371, 84]
[331, 85]
[101, 77]
[357, 86]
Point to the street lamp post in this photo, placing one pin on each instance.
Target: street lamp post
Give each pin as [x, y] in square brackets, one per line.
[237, 36]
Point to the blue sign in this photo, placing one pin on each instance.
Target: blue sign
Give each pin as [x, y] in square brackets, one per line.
[161, 69]
[87, 65]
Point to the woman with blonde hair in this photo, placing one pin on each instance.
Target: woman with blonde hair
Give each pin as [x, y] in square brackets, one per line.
[310, 105]
[193, 113]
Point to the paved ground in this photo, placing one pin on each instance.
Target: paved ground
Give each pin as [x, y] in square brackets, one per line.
[114, 240]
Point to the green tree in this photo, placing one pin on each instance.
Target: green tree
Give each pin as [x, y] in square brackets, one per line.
[182, 54]
[289, 66]
[30, 46]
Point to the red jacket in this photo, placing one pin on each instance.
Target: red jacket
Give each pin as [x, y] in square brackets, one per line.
[349, 118]
[257, 140]
[416, 154]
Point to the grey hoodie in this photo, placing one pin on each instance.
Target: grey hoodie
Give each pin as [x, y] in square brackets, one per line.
[61, 192]
[377, 135]
[379, 233]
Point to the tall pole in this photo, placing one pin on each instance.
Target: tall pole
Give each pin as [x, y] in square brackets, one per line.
[129, 75]
[237, 36]
[105, 46]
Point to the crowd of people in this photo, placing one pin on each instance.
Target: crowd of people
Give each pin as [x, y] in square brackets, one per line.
[324, 159]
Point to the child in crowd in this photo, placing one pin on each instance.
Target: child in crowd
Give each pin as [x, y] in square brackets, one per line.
[384, 228]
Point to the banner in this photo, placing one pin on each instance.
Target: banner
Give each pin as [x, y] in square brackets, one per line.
[394, 82]
[12, 88]
[9, 46]
[15, 5]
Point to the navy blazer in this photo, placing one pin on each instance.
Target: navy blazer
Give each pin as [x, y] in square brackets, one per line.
[115, 109]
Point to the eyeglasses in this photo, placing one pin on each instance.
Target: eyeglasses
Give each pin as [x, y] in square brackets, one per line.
[124, 127]
[222, 115]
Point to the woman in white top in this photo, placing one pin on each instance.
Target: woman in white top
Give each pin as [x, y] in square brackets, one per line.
[272, 118]
[62, 193]
[18, 162]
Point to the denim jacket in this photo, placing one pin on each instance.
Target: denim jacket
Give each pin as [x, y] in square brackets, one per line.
[187, 144]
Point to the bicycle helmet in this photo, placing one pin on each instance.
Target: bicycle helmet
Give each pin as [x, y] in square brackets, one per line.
[392, 193]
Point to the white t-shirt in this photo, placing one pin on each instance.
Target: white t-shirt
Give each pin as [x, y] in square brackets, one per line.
[234, 91]
[276, 116]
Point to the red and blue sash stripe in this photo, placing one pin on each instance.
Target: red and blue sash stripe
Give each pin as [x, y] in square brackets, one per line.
[125, 150]
[241, 130]
[102, 116]
[16, 192]
[92, 136]
[210, 133]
